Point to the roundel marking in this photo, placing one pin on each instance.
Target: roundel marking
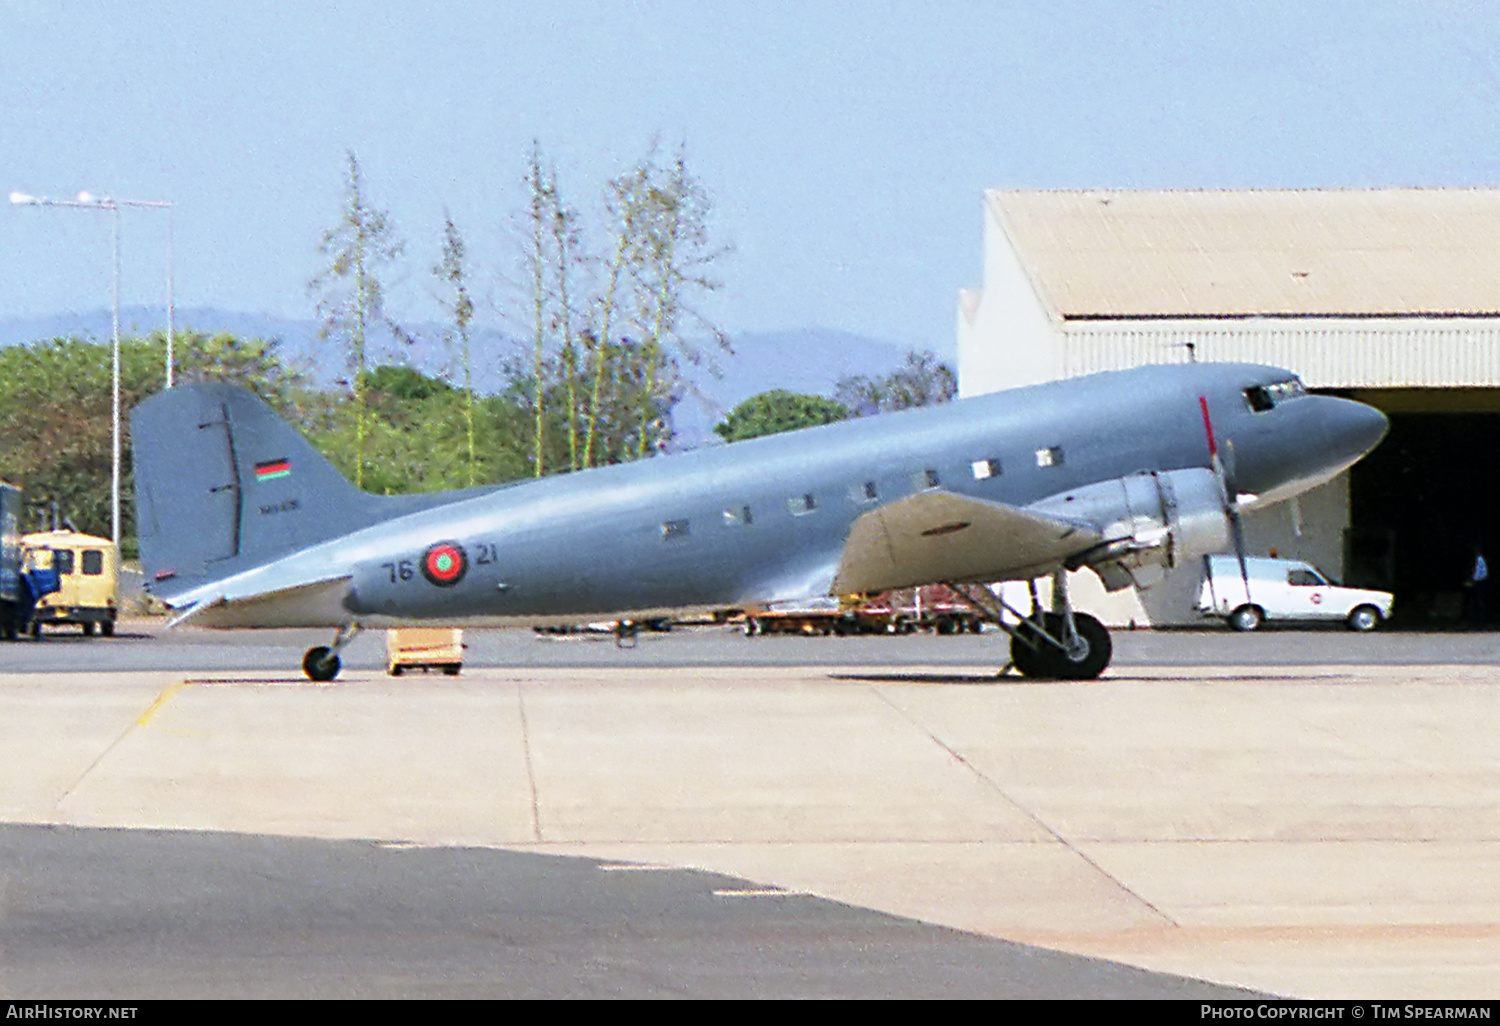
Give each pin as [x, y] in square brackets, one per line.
[445, 564]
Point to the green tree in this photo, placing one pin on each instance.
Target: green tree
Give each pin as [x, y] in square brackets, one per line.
[55, 418]
[251, 363]
[416, 433]
[921, 380]
[773, 412]
[351, 295]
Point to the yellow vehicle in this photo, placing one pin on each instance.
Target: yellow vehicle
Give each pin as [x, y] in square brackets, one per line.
[88, 572]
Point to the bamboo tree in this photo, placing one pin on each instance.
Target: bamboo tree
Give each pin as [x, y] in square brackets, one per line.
[672, 264]
[540, 195]
[351, 296]
[602, 371]
[565, 245]
[453, 272]
[626, 205]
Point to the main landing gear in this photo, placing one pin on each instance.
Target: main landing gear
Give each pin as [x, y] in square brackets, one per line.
[1060, 644]
[321, 663]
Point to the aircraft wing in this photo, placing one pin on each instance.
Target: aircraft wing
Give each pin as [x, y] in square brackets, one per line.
[939, 536]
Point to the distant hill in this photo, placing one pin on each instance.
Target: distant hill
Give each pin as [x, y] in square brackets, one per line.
[800, 360]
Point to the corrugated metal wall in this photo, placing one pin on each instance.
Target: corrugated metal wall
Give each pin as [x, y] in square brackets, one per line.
[1395, 353]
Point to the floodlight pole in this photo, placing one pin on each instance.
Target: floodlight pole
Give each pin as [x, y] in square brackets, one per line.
[85, 201]
[171, 298]
[114, 347]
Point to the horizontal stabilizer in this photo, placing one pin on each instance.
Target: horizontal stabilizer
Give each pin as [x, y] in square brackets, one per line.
[242, 604]
[939, 536]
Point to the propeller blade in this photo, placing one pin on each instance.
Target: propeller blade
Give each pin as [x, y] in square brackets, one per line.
[1228, 495]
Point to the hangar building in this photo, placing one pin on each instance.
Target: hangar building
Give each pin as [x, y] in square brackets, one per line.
[1391, 296]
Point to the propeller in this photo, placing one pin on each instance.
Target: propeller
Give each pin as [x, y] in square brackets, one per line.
[1228, 495]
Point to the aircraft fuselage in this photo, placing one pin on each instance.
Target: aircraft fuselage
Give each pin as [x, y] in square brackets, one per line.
[768, 519]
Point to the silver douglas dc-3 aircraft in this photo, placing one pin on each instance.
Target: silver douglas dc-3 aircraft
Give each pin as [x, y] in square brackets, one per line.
[243, 524]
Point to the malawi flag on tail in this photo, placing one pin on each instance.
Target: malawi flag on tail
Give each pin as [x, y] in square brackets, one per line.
[270, 470]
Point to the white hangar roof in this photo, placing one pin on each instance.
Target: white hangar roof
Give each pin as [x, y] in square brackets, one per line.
[1336, 253]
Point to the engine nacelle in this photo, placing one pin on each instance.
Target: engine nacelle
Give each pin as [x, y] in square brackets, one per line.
[1151, 522]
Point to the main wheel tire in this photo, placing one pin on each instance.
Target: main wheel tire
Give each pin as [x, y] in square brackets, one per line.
[1247, 618]
[1024, 658]
[1363, 619]
[36, 630]
[1050, 662]
[320, 664]
[88, 628]
[107, 628]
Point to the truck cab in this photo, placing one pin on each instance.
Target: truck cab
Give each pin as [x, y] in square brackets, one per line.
[88, 571]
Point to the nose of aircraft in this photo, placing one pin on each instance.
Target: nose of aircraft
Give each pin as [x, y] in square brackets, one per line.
[1305, 442]
[1351, 429]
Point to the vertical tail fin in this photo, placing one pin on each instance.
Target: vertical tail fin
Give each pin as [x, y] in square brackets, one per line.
[222, 484]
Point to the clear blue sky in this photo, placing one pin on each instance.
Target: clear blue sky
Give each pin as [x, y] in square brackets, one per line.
[847, 145]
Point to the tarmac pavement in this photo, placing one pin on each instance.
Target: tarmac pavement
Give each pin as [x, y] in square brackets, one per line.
[1317, 830]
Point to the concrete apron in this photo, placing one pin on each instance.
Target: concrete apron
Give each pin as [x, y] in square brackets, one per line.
[1315, 832]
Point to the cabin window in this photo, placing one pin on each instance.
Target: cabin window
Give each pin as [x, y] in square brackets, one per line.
[737, 516]
[801, 505]
[925, 479]
[93, 562]
[674, 530]
[62, 561]
[1052, 456]
[985, 468]
[1304, 578]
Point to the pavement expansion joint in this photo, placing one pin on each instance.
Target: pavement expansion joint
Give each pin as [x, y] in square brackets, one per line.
[1027, 812]
[536, 809]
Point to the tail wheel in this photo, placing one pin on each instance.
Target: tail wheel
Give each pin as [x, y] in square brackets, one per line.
[1247, 618]
[320, 664]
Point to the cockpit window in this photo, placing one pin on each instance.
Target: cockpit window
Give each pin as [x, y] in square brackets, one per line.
[1268, 397]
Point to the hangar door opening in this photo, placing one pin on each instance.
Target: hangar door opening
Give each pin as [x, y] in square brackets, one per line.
[1419, 504]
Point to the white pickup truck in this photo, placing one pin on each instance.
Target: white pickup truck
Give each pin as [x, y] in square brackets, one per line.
[1285, 589]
